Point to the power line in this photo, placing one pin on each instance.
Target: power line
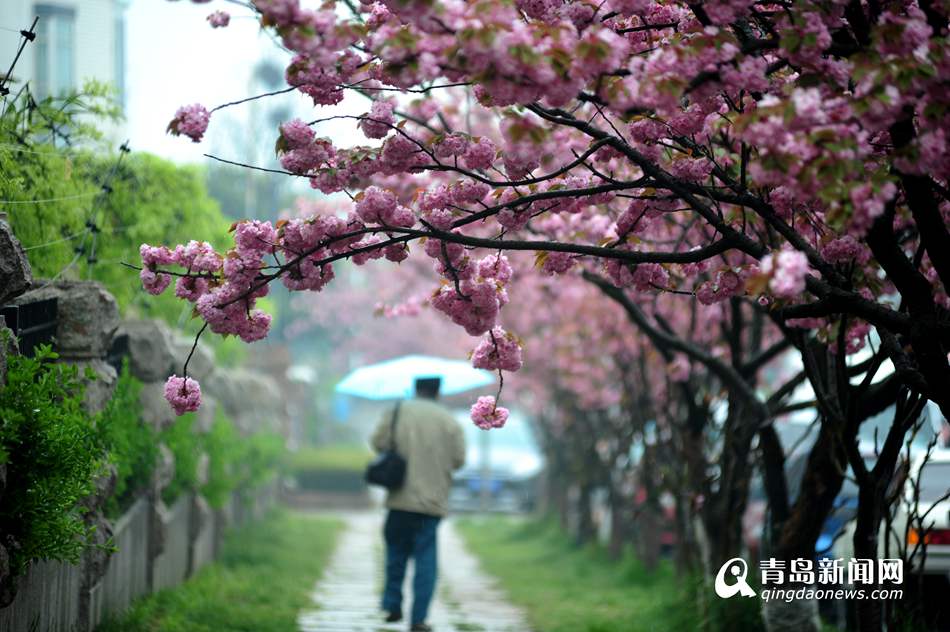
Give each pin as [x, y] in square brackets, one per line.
[55, 199]
[57, 241]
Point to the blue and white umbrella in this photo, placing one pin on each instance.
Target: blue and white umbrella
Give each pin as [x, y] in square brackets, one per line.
[396, 378]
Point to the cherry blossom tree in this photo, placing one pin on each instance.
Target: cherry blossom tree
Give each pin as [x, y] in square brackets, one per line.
[806, 141]
[785, 163]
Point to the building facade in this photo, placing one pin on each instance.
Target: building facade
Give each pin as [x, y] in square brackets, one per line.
[76, 40]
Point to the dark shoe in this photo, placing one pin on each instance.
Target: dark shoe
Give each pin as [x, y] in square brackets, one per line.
[420, 627]
[393, 617]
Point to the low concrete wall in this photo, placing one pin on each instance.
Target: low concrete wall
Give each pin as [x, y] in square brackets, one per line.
[50, 593]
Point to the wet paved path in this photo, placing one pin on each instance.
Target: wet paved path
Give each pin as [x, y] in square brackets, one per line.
[346, 598]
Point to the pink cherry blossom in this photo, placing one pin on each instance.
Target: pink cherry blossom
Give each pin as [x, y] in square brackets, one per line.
[787, 269]
[219, 19]
[379, 120]
[183, 393]
[191, 121]
[479, 154]
[498, 350]
[486, 415]
[297, 134]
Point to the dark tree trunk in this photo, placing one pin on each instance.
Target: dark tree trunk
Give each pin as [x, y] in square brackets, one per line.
[824, 474]
[870, 500]
[619, 523]
[585, 521]
[649, 536]
[724, 510]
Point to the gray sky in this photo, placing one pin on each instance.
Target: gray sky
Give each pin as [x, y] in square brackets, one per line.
[175, 58]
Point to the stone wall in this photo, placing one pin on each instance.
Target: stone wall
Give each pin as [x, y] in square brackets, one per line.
[158, 545]
[15, 273]
[15, 277]
[88, 317]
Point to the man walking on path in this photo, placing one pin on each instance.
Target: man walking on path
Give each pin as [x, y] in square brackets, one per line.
[433, 444]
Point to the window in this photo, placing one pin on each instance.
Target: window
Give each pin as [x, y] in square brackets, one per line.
[55, 50]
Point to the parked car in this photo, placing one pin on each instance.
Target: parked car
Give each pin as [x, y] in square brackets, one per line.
[797, 434]
[501, 467]
[932, 476]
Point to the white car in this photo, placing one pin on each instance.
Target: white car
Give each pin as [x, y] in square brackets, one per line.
[929, 484]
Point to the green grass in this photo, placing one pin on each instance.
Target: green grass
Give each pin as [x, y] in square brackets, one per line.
[259, 584]
[338, 457]
[563, 588]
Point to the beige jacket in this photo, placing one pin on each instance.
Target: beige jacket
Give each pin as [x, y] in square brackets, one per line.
[433, 444]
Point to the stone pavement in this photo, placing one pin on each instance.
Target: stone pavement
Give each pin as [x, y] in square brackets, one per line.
[347, 596]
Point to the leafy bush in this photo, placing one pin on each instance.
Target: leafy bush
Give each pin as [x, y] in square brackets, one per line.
[235, 462]
[51, 452]
[224, 452]
[186, 447]
[131, 444]
[337, 467]
[262, 455]
[338, 457]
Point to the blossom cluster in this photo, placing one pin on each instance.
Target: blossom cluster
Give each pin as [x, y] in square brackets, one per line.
[649, 129]
[219, 19]
[499, 350]
[183, 393]
[191, 121]
[487, 414]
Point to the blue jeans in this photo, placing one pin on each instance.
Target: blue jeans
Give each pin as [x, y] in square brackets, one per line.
[409, 534]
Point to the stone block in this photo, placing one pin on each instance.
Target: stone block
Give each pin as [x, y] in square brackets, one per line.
[158, 521]
[201, 364]
[16, 276]
[252, 400]
[156, 411]
[88, 317]
[149, 346]
[103, 488]
[201, 515]
[164, 471]
[204, 417]
[99, 390]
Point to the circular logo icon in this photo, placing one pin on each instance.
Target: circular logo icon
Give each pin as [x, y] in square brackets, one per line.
[736, 567]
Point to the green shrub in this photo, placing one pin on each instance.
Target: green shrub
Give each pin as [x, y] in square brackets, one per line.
[52, 453]
[332, 468]
[339, 457]
[263, 455]
[131, 443]
[235, 462]
[186, 447]
[222, 443]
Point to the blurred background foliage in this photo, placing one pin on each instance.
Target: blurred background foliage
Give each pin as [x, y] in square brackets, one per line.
[81, 209]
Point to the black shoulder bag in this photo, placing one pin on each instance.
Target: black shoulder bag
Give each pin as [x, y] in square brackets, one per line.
[388, 469]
